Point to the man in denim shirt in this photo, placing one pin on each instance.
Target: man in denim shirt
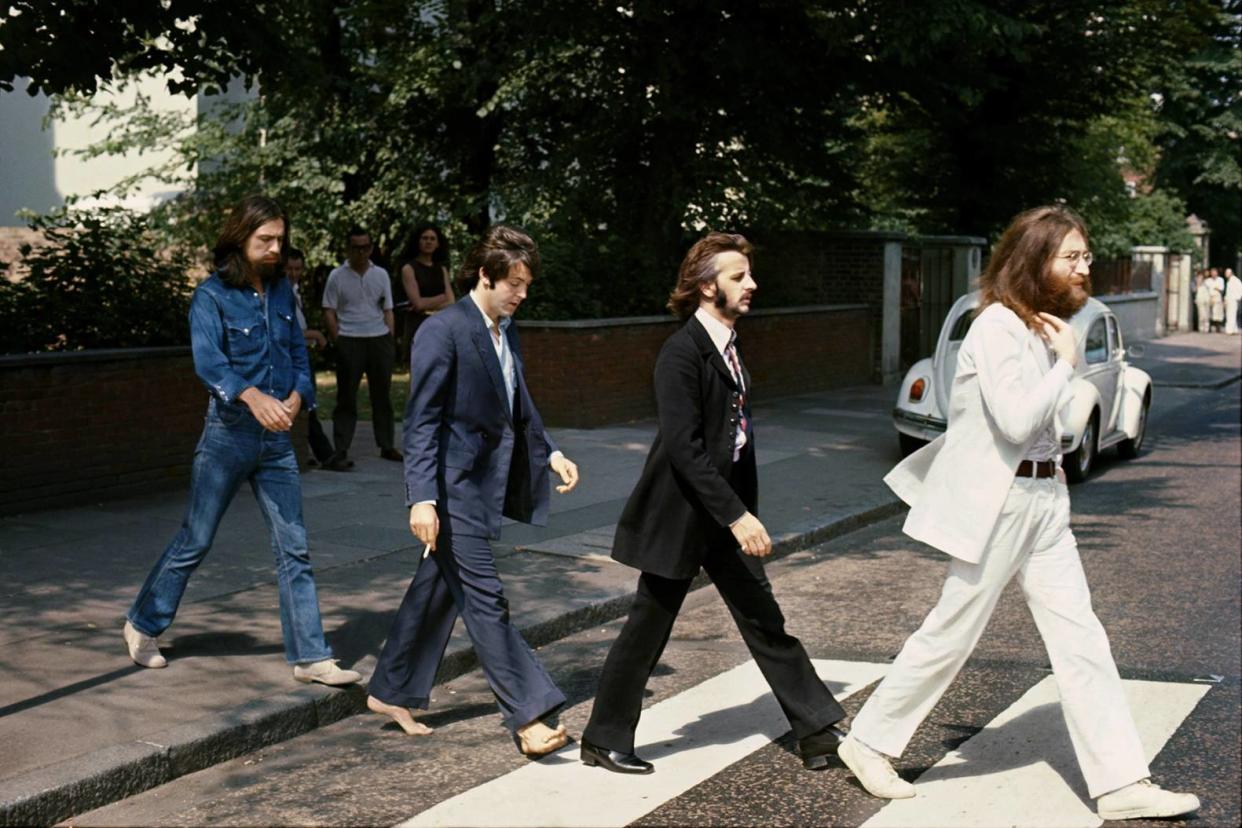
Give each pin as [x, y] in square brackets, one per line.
[249, 352]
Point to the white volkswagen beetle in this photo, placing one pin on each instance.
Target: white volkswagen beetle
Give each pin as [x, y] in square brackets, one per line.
[1109, 407]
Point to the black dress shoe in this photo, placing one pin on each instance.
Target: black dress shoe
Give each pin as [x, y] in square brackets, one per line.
[613, 760]
[820, 748]
[391, 454]
[339, 462]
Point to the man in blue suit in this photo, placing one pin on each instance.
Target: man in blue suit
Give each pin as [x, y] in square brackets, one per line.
[475, 450]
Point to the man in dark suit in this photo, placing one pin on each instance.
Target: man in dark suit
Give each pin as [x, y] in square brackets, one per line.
[475, 449]
[694, 506]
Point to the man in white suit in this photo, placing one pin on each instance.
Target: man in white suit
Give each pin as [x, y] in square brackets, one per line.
[990, 493]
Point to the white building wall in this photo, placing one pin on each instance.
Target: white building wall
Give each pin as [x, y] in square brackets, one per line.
[35, 173]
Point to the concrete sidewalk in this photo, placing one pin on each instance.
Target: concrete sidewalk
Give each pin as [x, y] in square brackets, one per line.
[83, 726]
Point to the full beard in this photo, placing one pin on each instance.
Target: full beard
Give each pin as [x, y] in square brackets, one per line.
[1063, 299]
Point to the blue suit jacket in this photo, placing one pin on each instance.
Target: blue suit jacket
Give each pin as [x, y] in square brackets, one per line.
[463, 448]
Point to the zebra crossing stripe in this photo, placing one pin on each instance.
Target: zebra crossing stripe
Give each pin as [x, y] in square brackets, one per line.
[1020, 770]
[691, 737]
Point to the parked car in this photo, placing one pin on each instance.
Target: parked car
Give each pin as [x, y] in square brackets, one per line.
[1111, 397]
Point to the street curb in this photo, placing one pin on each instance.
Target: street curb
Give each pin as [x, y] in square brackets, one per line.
[52, 793]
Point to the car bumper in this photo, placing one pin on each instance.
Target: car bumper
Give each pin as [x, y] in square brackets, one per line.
[918, 425]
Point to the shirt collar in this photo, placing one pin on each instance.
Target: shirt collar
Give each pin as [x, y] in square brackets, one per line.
[720, 333]
[505, 321]
[347, 266]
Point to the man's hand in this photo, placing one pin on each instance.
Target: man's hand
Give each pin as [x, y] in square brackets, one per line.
[314, 338]
[1058, 333]
[425, 523]
[568, 471]
[269, 411]
[751, 536]
[293, 404]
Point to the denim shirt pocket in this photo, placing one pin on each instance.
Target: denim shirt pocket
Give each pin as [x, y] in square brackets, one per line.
[246, 339]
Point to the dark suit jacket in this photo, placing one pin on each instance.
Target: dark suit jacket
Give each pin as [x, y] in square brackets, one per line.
[463, 447]
[690, 489]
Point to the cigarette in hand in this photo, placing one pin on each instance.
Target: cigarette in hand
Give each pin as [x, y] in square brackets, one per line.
[426, 551]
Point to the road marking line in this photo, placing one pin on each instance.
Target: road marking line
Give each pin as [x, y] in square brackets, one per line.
[691, 737]
[1020, 770]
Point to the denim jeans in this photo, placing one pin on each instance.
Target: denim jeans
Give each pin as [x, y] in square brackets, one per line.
[234, 448]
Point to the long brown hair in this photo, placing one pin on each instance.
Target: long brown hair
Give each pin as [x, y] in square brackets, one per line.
[1022, 260]
[249, 215]
[699, 268]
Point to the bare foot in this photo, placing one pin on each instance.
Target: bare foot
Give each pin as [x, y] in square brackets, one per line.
[537, 739]
[400, 715]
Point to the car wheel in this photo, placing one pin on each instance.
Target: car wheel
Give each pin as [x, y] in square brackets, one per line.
[1129, 449]
[909, 445]
[1078, 463]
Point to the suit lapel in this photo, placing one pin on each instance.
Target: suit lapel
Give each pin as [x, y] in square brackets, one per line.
[708, 349]
[487, 352]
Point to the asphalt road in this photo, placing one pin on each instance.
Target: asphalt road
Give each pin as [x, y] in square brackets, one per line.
[1160, 540]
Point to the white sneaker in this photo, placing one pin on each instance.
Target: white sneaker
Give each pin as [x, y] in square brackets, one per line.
[873, 770]
[1145, 798]
[142, 647]
[325, 672]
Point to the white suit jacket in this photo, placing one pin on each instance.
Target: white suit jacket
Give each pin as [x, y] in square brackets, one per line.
[1005, 392]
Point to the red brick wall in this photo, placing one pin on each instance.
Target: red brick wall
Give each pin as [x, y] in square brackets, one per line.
[83, 427]
[585, 374]
[97, 423]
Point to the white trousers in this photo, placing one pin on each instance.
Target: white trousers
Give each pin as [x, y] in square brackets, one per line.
[1201, 311]
[1231, 316]
[1032, 539]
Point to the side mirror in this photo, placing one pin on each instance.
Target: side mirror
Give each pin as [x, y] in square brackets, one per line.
[1136, 351]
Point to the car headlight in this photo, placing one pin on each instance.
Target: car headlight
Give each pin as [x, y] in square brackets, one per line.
[918, 389]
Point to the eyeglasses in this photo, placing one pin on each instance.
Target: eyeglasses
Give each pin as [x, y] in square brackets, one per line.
[1073, 257]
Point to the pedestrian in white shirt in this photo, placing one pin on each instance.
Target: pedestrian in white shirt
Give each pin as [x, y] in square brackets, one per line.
[357, 308]
[991, 494]
[1233, 295]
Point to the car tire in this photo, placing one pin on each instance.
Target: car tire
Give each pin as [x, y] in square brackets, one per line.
[1130, 448]
[909, 445]
[1079, 462]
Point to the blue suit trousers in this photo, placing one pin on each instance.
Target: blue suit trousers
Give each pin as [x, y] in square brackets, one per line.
[460, 577]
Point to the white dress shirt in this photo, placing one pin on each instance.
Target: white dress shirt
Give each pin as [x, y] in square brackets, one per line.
[722, 337]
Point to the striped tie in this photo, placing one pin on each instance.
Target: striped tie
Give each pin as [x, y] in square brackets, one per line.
[736, 368]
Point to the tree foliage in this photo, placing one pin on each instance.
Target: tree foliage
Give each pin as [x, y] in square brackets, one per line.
[95, 282]
[616, 132]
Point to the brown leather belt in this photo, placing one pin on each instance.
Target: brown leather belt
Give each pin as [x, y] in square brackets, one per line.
[1037, 468]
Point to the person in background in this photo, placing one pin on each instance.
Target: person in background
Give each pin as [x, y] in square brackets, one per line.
[1203, 299]
[320, 446]
[425, 280]
[1216, 299]
[357, 308]
[1233, 296]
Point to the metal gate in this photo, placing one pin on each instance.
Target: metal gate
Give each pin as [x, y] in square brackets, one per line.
[927, 293]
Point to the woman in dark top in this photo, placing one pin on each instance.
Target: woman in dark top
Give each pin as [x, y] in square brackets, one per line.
[425, 277]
